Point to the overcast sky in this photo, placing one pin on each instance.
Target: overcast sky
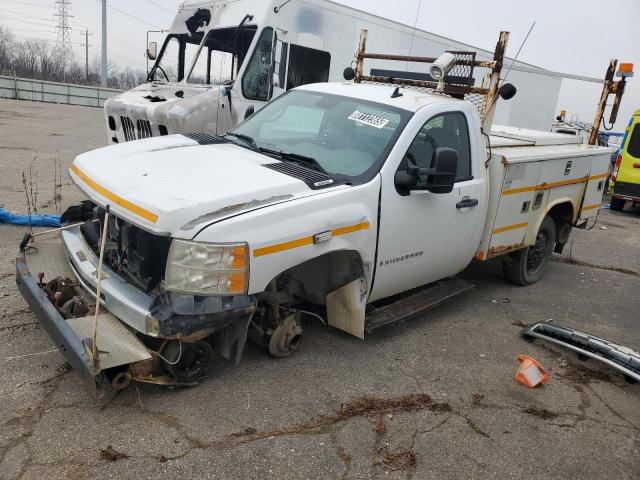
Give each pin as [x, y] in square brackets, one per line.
[573, 36]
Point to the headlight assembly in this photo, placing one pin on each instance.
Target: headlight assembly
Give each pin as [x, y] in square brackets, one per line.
[207, 269]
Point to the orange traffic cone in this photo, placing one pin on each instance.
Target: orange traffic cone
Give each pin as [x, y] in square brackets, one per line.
[531, 373]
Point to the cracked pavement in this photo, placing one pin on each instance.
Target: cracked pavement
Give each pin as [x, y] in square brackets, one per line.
[285, 418]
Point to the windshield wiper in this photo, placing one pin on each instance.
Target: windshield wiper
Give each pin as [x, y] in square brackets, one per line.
[246, 138]
[297, 158]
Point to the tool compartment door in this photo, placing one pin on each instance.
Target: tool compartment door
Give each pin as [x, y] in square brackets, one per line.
[513, 215]
[600, 167]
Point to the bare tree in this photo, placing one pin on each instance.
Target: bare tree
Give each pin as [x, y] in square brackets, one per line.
[37, 59]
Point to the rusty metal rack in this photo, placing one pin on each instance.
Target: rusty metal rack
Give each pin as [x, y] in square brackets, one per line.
[458, 82]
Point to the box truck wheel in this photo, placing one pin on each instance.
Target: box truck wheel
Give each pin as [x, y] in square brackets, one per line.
[526, 266]
[617, 204]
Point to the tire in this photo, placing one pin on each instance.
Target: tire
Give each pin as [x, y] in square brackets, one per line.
[617, 204]
[526, 267]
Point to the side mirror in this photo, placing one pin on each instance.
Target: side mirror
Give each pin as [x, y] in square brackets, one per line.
[152, 51]
[445, 167]
[438, 179]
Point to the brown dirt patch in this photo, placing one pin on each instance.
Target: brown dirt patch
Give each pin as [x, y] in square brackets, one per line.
[111, 454]
[542, 413]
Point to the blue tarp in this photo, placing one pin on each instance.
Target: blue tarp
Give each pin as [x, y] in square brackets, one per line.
[52, 221]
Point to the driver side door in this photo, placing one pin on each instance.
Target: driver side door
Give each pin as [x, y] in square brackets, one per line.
[425, 236]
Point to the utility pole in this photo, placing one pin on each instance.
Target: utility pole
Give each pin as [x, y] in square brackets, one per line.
[103, 73]
[86, 45]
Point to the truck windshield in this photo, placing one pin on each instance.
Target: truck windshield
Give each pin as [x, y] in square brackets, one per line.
[217, 59]
[347, 137]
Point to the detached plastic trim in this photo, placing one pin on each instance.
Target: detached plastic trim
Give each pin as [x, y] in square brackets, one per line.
[616, 356]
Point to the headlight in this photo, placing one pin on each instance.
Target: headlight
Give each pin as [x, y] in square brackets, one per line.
[207, 269]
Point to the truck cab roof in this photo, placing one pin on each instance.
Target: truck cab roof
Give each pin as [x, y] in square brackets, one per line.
[411, 100]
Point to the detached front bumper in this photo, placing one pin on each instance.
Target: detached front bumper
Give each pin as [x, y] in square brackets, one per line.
[118, 346]
[60, 332]
[124, 311]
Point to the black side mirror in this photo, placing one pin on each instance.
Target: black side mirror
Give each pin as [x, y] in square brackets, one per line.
[250, 110]
[438, 179]
[445, 167]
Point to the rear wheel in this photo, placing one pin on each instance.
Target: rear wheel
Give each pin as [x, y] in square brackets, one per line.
[617, 204]
[526, 266]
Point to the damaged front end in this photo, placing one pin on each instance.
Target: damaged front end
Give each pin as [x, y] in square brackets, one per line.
[145, 333]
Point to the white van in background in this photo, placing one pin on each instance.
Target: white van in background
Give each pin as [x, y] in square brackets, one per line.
[224, 59]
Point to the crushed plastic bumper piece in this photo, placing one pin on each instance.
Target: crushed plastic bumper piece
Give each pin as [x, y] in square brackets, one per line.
[531, 373]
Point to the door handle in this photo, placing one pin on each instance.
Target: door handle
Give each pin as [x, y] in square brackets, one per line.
[467, 202]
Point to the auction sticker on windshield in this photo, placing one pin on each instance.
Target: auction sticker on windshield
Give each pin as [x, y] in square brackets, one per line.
[368, 119]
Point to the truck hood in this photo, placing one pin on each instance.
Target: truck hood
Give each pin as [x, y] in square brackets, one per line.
[175, 186]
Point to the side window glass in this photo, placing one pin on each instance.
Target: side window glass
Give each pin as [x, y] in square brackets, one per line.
[256, 81]
[307, 65]
[633, 147]
[199, 75]
[167, 69]
[446, 130]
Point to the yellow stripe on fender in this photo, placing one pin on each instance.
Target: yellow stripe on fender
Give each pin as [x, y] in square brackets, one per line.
[301, 242]
[141, 212]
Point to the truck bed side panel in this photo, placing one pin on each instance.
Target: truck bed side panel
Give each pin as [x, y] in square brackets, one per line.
[535, 180]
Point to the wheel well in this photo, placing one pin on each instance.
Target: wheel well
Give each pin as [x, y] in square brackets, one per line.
[312, 280]
[561, 214]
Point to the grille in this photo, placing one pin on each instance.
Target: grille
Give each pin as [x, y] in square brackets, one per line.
[314, 180]
[128, 128]
[144, 129]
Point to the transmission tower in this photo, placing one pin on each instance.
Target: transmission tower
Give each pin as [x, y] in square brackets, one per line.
[63, 48]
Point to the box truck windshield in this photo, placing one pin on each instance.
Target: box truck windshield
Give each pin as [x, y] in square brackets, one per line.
[211, 59]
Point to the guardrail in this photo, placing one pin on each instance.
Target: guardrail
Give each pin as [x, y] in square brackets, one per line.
[52, 92]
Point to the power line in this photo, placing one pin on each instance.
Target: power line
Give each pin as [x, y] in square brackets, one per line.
[20, 14]
[160, 6]
[131, 16]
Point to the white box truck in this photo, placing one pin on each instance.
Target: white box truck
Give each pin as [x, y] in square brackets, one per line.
[223, 60]
[350, 202]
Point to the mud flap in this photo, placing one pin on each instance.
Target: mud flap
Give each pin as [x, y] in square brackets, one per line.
[346, 307]
[117, 345]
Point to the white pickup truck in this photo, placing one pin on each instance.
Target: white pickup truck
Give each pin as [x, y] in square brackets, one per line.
[354, 203]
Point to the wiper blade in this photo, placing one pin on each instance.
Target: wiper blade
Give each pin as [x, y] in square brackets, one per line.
[296, 157]
[246, 138]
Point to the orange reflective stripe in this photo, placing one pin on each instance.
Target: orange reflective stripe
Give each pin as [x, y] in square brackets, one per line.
[301, 242]
[591, 207]
[598, 177]
[511, 227]
[141, 212]
[545, 186]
